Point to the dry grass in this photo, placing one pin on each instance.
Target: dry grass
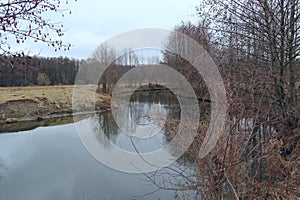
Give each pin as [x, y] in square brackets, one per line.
[52, 93]
[44, 100]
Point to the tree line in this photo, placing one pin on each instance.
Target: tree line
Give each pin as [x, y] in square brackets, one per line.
[28, 71]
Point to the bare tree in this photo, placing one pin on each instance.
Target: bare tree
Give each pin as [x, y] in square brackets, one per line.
[256, 45]
[23, 20]
[129, 58]
[267, 33]
[105, 56]
[176, 43]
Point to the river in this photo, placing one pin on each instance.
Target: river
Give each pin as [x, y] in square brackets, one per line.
[49, 161]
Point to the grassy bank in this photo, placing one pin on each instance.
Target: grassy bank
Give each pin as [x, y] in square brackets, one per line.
[41, 101]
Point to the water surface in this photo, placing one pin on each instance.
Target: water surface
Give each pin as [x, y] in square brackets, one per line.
[52, 163]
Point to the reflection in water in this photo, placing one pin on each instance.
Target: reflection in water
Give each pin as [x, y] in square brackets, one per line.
[32, 124]
[125, 142]
[50, 163]
[143, 128]
[2, 167]
[105, 122]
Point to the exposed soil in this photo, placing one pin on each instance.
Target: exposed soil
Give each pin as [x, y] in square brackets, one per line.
[39, 102]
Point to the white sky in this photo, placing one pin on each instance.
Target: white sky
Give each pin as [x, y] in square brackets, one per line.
[94, 21]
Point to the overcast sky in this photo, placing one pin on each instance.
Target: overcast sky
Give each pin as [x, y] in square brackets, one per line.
[94, 21]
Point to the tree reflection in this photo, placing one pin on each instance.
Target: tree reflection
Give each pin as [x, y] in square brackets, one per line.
[105, 128]
[147, 114]
[3, 167]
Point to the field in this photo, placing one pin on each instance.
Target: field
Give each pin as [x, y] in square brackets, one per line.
[41, 101]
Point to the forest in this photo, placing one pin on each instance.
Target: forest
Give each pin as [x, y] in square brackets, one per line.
[29, 71]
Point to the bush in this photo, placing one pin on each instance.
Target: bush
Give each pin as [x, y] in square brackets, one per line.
[43, 79]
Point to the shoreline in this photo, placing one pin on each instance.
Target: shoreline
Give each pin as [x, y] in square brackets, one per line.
[53, 116]
[36, 103]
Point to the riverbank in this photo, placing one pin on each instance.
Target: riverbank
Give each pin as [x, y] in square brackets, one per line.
[38, 102]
